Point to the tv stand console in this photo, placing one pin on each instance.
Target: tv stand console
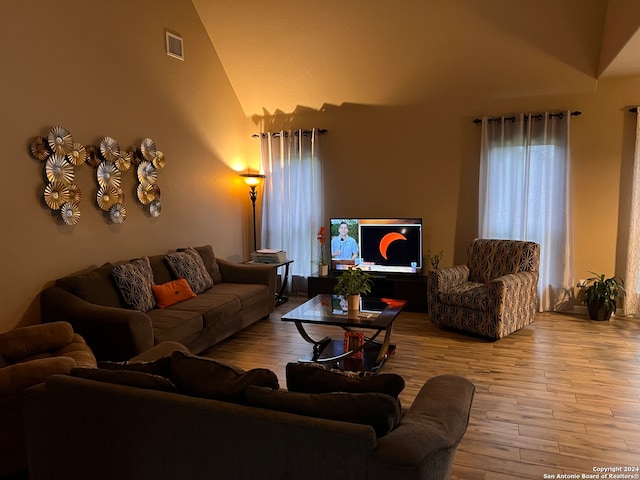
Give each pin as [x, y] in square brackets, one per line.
[409, 287]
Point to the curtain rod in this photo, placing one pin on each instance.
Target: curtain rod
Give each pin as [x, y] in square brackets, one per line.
[536, 117]
[320, 131]
[633, 110]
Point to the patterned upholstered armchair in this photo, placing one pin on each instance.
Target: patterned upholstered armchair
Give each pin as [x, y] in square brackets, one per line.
[494, 294]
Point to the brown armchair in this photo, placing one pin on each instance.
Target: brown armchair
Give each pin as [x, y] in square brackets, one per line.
[493, 295]
[28, 356]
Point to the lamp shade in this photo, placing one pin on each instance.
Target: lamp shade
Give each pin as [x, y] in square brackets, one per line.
[253, 179]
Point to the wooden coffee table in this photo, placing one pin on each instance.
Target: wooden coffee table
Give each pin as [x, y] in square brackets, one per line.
[376, 315]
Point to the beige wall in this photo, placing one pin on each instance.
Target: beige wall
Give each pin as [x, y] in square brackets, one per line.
[422, 161]
[99, 69]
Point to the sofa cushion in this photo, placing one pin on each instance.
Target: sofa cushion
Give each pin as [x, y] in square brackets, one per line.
[161, 271]
[467, 295]
[251, 295]
[159, 351]
[78, 350]
[95, 286]
[380, 411]
[176, 325]
[156, 360]
[491, 258]
[207, 378]
[125, 377]
[215, 309]
[306, 378]
[161, 366]
[135, 280]
[172, 292]
[209, 260]
[188, 264]
[24, 342]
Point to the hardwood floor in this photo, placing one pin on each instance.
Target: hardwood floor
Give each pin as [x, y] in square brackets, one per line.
[561, 396]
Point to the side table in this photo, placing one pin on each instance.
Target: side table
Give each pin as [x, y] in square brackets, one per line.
[281, 295]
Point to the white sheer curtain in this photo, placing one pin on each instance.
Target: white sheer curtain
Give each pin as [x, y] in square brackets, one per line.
[525, 194]
[292, 211]
[632, 274]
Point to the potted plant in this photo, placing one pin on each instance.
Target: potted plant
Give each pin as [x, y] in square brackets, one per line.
[601, 294]
[352, 283]
[323, 268]
[434, 260]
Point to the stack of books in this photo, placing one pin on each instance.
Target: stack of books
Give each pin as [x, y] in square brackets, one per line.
[269, 255]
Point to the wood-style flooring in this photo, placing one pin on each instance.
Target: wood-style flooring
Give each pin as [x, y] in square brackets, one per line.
[559, 397]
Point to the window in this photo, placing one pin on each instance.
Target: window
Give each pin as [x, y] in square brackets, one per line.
[524, 194]
[292, 209]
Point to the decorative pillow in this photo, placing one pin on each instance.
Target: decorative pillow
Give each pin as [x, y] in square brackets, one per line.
[95, 286]
[134, 279]
[380, 411]
[123, 377]
[188, 264]
[207, 378]
[209, 259]
[173, 292]
[312, 379]
[161, 366]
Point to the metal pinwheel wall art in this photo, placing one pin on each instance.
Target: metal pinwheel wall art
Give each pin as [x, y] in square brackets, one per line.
[61, 155]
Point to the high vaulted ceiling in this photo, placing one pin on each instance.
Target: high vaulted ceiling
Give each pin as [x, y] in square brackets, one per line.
[283, 54]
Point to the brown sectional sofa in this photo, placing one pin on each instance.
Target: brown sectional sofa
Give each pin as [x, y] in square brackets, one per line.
[92, 302]
[28, 356]
[159, 433]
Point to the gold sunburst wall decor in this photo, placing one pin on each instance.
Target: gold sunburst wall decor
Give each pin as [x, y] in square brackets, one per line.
[60, 140]
[70, 213]
[150, 160]
[58, 168]
[61, 155]
[56, 194]
[78, 154]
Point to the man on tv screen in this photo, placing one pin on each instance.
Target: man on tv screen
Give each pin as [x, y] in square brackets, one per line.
[344, 247]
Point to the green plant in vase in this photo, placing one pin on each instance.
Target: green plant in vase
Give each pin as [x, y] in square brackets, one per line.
[352, 283]
[434, 260]
[601, 294]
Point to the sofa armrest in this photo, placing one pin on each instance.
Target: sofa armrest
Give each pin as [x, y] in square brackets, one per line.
[424, 444]
[515, 281]
[263, 274]
[514, 298]
[443, 279]
[449, 277]
[15, 378]
[112, 333]
[512, 286]
[24, 342]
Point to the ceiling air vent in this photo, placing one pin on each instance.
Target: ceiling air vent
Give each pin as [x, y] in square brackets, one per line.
[174, 46]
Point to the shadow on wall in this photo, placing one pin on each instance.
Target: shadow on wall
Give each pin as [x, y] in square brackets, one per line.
[396, 161]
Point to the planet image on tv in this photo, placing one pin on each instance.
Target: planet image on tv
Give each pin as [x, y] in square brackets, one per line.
[387, 240]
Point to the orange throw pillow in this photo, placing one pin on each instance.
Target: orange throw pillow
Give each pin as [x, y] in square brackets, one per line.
[172, 292]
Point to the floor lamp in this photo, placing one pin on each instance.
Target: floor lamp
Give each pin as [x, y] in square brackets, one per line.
[253, 180]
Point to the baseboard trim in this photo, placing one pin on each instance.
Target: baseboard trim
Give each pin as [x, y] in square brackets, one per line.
[582, 310]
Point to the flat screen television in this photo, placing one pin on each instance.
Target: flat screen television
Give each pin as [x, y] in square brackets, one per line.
[387, 245]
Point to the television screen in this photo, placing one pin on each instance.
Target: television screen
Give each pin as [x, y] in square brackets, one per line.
[392, 245]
